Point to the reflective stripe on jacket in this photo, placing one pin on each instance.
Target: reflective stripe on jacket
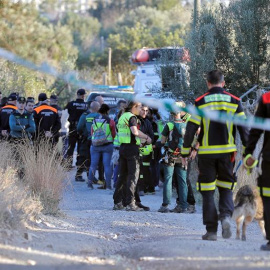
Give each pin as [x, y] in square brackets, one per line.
[215, 138]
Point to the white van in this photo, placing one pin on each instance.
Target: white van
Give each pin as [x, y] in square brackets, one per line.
[146, 78]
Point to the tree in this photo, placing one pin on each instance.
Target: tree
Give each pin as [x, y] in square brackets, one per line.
[85, 31]
[33, 38]
[251, 43]
[202, 49]
[173, 73]
[233, 39]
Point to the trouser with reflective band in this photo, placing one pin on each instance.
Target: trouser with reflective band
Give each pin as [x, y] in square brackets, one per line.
[146, 182]
[264, 188]
[216, 172]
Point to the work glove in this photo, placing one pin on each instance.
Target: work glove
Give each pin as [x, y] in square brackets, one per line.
[249, 163]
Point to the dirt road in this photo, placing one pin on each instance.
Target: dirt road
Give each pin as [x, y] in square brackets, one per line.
[89, 235]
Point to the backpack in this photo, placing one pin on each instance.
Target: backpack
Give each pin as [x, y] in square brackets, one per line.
[99, 136]
[173, 139]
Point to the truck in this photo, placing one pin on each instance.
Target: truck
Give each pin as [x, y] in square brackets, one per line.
[157, 66]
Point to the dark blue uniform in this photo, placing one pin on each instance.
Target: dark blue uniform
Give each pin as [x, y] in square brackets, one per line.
[75, 109]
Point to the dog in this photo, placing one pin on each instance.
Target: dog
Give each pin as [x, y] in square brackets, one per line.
[248, 205]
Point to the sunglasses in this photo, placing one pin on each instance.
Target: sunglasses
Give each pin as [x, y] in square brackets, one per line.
[21, 102]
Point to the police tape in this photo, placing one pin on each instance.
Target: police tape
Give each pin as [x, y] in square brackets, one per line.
[166, 104]
[217, 116]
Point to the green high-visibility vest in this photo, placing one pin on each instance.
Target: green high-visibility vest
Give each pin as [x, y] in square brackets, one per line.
[116, 142]
[146, 150]
[160, 127]
[124, 132]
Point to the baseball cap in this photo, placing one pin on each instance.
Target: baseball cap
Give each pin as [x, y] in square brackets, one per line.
[42, 97]
[12, 97]
[81, 92]
[54, 97]
[21, 99]
[30, 99]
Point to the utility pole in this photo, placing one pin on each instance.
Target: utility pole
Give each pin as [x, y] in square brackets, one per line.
[109, 65]
[197, 7]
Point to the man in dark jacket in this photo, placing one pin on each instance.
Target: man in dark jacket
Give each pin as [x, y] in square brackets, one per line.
[47, 120]
[75, 109]
[5, 113]
[263, 111]
[216, 153]
[145, 182]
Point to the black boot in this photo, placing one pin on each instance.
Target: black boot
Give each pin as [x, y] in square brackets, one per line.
[266, 247]
[103, 186]
[145, 208]
[79, 179]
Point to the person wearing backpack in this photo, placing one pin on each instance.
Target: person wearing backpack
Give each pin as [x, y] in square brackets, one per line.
[103, 133]
[84, 131]
[172, 135]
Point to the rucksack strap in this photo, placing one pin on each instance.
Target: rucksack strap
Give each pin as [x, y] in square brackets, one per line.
[94, 121]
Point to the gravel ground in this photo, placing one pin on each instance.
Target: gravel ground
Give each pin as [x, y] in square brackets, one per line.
[90, 235]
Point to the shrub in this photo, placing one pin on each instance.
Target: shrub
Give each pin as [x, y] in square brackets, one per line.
[17, 205]
[44, 171]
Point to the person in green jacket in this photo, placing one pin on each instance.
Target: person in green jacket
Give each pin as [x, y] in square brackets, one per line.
[22, 124]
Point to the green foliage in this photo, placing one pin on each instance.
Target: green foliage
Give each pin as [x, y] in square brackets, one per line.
[146, 27]
[202, 48]
[173, 74]
[85, 32]
[233, 39]
[166, 4]
[26, 34]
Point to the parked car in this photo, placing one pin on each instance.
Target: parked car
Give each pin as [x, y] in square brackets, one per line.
[111, 99]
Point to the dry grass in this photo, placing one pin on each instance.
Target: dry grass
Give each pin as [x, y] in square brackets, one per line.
[17, 205]
[45, 173]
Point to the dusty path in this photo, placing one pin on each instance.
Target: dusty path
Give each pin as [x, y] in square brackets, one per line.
[89, 235]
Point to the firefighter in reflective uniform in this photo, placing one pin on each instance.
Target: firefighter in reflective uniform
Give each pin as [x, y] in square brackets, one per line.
[5, 113]
[129, 169]
[216, 153]
[263, 111]
[84, 131]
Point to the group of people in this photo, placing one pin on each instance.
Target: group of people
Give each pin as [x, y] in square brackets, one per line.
[21, 118]
[135, 148]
